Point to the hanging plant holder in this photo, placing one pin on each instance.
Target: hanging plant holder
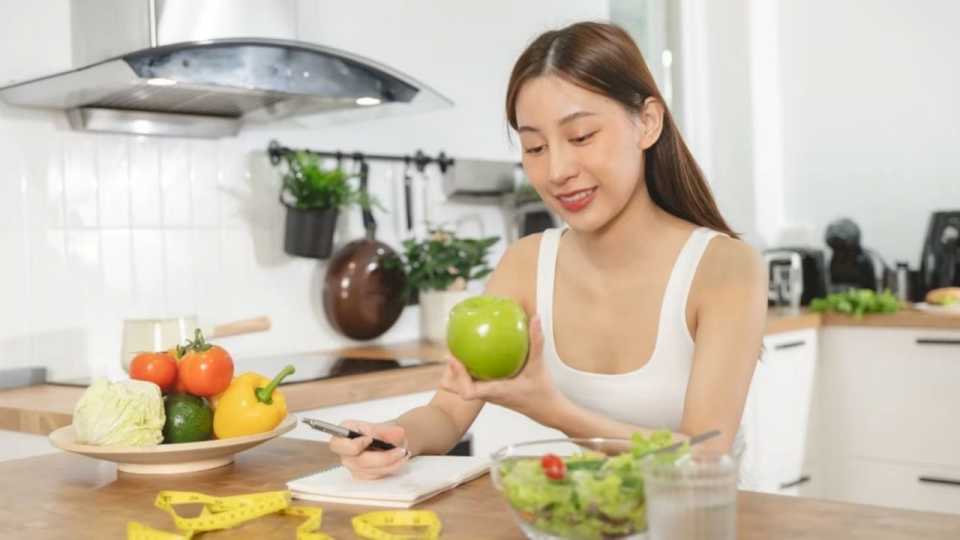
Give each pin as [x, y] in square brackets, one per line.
[309, 232]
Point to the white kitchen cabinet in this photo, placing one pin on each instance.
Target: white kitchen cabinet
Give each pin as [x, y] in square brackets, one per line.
[778, 413]
[498, 426]
[16, 445]
[929, 488]
[494, 427]
[889, 399]
[377, 410]
[892, 394]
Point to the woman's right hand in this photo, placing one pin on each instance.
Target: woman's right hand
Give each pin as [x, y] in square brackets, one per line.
[365, 464]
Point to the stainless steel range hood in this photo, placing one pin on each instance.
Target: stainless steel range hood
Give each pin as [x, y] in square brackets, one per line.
[204, 68]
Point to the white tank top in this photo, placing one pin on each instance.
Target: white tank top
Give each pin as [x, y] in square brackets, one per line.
[653, 395]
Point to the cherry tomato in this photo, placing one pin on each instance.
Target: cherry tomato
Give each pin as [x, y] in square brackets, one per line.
[205, 369]
[159, 368]
[553, 466]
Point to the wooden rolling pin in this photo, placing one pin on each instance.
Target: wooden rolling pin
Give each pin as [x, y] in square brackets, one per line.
[245, 326]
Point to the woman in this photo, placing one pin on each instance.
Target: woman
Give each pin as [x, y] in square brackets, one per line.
[647, 311]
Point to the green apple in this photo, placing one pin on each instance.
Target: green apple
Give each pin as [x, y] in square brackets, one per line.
[488, 334]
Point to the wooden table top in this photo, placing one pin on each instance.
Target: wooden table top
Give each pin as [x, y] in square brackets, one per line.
[68, 496]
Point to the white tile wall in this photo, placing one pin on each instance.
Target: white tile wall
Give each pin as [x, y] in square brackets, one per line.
[112, 227]
[98, 228]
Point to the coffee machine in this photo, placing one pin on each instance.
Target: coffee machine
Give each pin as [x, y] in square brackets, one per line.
[851, 265]
[940, 259]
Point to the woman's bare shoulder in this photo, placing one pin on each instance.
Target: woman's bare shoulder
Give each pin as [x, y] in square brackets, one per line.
[729, 262]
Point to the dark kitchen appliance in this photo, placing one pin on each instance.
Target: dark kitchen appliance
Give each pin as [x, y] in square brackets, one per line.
[940, 259]
[809, 270]
[851, 265]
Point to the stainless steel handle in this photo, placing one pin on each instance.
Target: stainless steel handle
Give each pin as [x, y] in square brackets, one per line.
[937, 341]
[939, 480]
[802, 480]
[789, 345]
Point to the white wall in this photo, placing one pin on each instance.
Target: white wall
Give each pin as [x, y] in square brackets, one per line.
[870, 116]
[805, 111]
[717, 106]
[97, 228]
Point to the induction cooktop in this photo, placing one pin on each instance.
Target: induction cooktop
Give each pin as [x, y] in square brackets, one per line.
[319, 366]
[312, 366]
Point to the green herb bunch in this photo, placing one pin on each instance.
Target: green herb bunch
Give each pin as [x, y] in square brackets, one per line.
[444, 261]
[857, 303]
[313, 187]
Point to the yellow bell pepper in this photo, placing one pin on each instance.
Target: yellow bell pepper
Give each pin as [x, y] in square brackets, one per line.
[250, 405]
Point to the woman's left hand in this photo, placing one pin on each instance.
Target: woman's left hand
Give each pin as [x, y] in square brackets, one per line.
[531, 392]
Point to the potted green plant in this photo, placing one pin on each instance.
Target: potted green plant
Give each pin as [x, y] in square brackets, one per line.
[438, 270]
[313, 197]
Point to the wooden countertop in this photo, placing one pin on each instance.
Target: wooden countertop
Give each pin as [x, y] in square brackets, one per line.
[779, 320]
[71, 496]
[42, 409]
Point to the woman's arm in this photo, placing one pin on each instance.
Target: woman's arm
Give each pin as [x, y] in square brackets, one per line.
[438, 426]
[731, 311]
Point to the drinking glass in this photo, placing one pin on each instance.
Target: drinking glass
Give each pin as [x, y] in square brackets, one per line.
[154, 335]
[692, 498]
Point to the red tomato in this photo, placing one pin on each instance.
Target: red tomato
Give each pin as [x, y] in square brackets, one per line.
[205, 369]
[159, 368]
[553, 466]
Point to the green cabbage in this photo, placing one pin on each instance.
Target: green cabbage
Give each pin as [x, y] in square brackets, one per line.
[126, 413]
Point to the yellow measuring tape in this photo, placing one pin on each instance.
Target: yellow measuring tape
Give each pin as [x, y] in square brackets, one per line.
[226, 512]
[371, 525]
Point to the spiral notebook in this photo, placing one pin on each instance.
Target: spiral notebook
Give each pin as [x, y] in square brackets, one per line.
[422, 478]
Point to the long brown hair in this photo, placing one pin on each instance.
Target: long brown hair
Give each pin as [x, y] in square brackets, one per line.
[604, 59]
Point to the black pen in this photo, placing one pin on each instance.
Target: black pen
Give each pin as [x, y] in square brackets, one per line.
[340, 431]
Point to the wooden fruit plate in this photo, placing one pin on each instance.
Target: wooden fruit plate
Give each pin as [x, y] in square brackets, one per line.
[170, 458]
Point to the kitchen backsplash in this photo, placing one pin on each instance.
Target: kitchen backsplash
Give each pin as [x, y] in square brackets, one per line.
[98, 228]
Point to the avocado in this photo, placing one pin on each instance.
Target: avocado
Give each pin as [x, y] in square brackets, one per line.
[189, 419]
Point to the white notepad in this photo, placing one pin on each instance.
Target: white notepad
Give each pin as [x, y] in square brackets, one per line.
[422, 478]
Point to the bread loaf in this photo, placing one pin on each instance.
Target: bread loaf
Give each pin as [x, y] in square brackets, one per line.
[944, 296]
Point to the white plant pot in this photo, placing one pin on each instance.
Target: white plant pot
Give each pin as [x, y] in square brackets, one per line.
[435, 309]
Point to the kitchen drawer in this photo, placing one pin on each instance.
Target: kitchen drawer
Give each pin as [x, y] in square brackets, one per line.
[781, 475]
[809, 483]
[16, 445]
[777, 412]
[897, 485]
[890, 395]
[498, 426]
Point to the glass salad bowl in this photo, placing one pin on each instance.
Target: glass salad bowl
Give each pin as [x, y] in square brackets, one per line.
[582, 489]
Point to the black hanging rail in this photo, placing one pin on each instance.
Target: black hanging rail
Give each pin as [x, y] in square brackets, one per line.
[276, 151]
